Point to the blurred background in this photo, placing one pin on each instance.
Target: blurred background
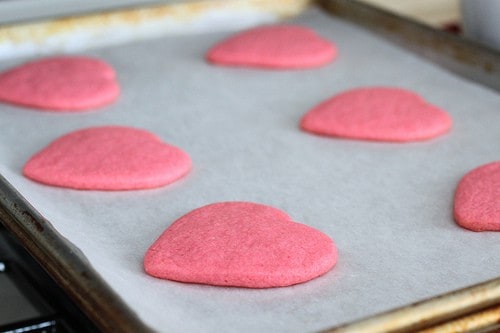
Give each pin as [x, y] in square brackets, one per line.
[437, 13]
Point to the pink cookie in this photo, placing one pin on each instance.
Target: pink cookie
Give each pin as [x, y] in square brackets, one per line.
[108, 158]
[378, 114]
[240, 244]
[477, 199]
[276, 47]
[67, 83]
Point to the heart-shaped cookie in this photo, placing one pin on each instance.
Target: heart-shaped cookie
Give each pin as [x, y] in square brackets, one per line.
[240, 244]
[274, 47]
[68, 83]
[378, 114]
[108, 158]
[477, 199]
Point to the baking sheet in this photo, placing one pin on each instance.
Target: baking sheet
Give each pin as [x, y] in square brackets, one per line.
[387, 206]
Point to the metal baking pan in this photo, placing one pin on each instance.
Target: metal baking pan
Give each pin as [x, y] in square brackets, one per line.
[473, 309]
[65, 263]
[467, 58]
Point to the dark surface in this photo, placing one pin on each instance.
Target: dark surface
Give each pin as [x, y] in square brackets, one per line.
[66, 277]
[29, 297]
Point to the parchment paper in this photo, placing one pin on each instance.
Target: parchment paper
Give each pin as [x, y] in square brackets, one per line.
[387, 206]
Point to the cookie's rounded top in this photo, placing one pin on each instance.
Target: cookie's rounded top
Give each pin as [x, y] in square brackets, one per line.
[377, 114]
[477, 199]
[108, 158]
[274, 47]
[63, 83]
[240, 244]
